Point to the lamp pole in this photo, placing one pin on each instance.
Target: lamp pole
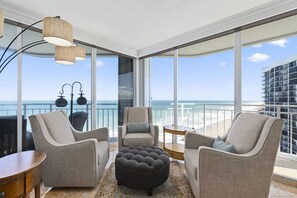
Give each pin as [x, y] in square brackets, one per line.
[80, 101]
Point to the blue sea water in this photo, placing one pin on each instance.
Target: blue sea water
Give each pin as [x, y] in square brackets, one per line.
[10, 107]
[192, 113]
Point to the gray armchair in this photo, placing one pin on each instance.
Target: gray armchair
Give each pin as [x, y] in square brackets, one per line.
[247, 172]
[138, 115]
[74, 159]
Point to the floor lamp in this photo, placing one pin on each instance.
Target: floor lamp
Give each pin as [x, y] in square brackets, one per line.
[55, 31]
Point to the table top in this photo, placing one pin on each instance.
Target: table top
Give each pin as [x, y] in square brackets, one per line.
[19, 163]
[179, 128]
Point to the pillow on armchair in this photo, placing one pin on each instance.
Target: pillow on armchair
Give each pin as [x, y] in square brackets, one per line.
[221, 145]
[138, 128]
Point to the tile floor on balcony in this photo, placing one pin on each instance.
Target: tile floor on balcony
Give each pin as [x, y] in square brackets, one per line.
[277, 189]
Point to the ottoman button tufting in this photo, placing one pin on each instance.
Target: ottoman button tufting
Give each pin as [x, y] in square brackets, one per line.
[143, 167]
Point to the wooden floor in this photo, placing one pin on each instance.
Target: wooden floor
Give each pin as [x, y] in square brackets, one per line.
[277, 189]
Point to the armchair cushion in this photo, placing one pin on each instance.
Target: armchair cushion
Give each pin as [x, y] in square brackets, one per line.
[138, 128]
[221, 145]
[138, 139]
[245, 138]
[58, 127]
[138, 115]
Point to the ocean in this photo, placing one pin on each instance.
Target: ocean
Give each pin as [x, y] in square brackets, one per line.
[191, 113]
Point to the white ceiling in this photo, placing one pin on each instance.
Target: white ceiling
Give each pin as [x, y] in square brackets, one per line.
[129, 26]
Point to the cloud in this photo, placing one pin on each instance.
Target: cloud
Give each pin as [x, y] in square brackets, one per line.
[280, 43]
[4, 85]
[258, 57]
[257, 46]
[99, 63]
[222, 64]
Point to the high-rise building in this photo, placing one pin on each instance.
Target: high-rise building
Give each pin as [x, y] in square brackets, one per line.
[280, 98]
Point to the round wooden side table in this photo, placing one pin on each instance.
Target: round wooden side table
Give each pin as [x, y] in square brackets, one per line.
[20, 173]
[175, 150]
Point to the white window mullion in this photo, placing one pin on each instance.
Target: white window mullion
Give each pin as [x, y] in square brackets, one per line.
[137, 83]
[19, 93]
[93, 88]
[237, 73]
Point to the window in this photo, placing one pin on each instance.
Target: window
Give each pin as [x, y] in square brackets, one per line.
[269, 74]
[8, 96]
[161, 87]
[206, 85]
[107, 91]
[43, 80]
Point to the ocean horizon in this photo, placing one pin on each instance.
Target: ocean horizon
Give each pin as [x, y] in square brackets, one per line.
[191, 113]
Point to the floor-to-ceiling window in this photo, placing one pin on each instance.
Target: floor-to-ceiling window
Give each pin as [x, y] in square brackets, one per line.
[40, 84]
[8, 96]
[107, 91]
[269, 74]
[43, 78]
[206, 85]
[265, 82]
[162, 89]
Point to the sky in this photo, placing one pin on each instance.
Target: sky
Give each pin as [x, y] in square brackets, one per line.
[207, 77]
[43, 79]
[211, 77]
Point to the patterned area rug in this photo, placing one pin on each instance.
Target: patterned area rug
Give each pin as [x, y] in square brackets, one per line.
[176, 186]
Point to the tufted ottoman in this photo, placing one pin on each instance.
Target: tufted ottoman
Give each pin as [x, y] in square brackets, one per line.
[143, 167]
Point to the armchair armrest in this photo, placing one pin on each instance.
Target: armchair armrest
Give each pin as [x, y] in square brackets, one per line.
[232, 172]
[154, 130]
[121, 134]
[195, 140]
[63, 161]
[99, 134]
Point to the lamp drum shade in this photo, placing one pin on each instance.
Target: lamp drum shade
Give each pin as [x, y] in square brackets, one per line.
[65, 55]
[80, 53]
[1, 24]
[57, 31]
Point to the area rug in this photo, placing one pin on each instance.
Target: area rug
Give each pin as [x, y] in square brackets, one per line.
[176, 186]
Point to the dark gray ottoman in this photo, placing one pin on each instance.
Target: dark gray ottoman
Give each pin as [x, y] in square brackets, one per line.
[143, 167]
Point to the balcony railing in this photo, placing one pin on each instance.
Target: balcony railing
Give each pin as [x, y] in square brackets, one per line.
[208, 119]
[106, 113]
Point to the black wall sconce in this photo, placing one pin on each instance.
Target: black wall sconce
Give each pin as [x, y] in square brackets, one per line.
[62, 102]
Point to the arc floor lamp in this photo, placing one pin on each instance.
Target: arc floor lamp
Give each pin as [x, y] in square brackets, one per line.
[55, 31]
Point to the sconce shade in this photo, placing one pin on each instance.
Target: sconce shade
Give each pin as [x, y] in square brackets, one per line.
[65, 55]
[57, 31]
[61, 102]
[80, 52]
[1, 24]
